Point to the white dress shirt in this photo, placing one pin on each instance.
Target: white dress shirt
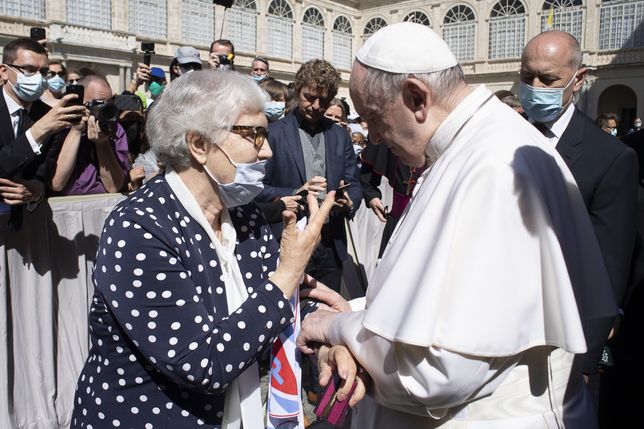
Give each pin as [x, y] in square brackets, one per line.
[558, 127]
[14, 113]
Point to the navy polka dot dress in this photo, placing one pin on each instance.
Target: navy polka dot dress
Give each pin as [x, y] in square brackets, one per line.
[164, 349]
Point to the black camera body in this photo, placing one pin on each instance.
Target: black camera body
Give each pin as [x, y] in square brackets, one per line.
[37, 33]
[148, 50]
[224, 60]
[105, 112]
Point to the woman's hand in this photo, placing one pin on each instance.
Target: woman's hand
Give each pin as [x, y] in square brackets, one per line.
[296, 246]
[339, 358]
[292, 202]
[321, 292]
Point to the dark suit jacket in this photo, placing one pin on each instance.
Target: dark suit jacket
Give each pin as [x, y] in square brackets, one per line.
[17, 159]
[285, 171]
[606, 172]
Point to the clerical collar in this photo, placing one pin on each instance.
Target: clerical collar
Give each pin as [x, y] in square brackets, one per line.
[453, 123]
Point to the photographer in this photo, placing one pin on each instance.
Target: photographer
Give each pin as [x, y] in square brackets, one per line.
[93, 157]
[222, 55]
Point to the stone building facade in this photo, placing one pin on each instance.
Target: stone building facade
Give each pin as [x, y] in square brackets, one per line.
[487, 36]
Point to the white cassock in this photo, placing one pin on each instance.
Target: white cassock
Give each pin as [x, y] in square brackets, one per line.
[471, 319]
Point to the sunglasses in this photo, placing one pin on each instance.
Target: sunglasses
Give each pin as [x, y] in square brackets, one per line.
[190, 66]
[259, 134]
[50, 74]
[29, 70]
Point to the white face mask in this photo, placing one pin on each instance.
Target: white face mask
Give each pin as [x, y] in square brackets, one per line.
[246, 185]
[29, 88]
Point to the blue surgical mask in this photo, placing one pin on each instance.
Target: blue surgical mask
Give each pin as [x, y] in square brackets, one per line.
[542, 104]
[29, 88]
[56, 84]
[258, 78]
[274, 110]
[246, 185]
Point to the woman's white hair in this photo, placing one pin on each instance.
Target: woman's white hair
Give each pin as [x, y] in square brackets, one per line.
[207, 102]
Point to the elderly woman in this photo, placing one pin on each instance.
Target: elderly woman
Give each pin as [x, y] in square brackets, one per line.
[187, 290]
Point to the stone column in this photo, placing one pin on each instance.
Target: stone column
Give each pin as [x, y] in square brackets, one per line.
[55, 10]
[261, 34]
[174, 12]
[120, 15]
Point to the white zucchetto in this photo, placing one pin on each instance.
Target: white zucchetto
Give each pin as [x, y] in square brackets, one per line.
[406, 47]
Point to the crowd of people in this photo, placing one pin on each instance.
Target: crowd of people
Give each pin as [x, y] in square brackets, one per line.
[506, 266]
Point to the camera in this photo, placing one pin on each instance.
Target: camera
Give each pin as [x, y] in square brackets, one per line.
[37, 33]
[225, 59]
[105, 112]
[148, 50]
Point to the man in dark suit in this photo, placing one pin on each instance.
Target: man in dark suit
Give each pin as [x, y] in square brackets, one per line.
[311, 153]
[605, 169]
[27, 124]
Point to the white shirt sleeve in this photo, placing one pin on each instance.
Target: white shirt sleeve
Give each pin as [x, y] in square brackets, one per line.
[425, 381]
[34, 144]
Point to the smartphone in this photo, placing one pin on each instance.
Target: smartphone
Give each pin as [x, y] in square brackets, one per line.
[148, 50]
[338, 191]
[78, 90]
[37, 33]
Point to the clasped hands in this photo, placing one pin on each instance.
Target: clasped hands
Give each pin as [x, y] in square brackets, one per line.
[313, 339]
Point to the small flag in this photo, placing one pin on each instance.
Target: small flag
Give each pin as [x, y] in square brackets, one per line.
[551, 17]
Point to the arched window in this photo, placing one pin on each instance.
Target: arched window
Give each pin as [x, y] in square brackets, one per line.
[342, 43]
[33, 9]
[90, 13]
[418, 17]
[241, 25]
[459, 31]
[148, 18]
[280, 29]
[312, 34]
[197, 21]
[372, 26]
[621, 24]
[507, 29]
[564, 15]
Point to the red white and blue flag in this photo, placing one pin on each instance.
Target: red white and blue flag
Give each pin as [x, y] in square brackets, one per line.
[284, 407]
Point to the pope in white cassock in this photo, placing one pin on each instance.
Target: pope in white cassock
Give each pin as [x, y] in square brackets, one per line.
[475, 313]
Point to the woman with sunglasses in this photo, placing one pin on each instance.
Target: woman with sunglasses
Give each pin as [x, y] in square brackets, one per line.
[188, 294]
[55, 77]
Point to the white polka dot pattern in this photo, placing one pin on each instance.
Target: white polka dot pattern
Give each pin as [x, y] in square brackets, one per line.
[164, 349]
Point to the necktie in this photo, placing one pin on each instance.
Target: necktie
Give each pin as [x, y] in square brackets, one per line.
[22, 122]
[543, 129]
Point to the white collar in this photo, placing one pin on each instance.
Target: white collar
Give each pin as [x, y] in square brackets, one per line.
[12, 105]
[243, 405]
[559, 126]
[454, 121]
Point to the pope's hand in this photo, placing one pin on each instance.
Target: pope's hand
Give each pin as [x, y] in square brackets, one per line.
[315, 328]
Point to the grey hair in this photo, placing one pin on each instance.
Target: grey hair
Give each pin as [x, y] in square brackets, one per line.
[576, 55]
[382, 87]
[207, 102]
